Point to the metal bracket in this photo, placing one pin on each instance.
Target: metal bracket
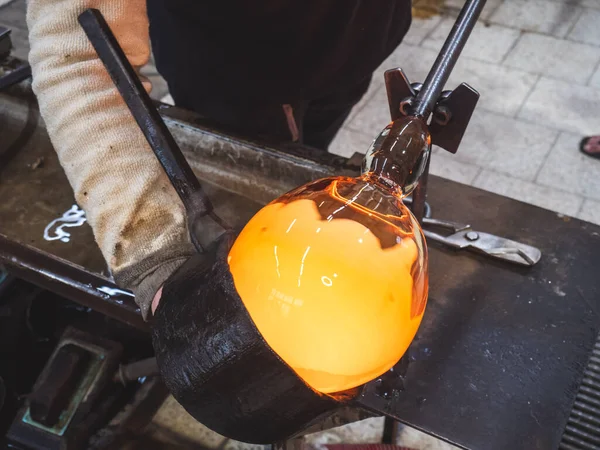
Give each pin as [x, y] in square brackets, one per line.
[452, 111]
[451, 117]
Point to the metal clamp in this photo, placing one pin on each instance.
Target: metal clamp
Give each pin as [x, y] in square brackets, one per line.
[452, 110]
[451, 114]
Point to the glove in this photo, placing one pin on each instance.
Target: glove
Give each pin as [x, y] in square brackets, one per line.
[215, 362]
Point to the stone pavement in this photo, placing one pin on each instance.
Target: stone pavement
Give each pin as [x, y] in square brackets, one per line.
[536, 64]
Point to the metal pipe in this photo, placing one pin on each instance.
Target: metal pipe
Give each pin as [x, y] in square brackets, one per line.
[440, 71]
[183, 179]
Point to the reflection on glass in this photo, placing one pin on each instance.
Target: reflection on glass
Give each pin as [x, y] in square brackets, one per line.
[334, 273]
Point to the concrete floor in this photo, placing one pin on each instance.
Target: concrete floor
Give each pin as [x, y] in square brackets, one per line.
[173, 420]
[536, 64]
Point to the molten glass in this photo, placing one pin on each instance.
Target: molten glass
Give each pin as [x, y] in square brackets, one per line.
[334, 273]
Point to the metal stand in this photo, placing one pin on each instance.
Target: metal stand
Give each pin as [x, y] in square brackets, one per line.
[450, 113]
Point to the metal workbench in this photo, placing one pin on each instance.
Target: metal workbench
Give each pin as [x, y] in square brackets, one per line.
[502, 350]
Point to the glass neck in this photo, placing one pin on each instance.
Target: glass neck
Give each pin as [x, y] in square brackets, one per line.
[397, 157]
[383, 183]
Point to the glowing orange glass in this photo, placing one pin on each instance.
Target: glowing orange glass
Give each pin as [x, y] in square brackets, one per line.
[334, 273]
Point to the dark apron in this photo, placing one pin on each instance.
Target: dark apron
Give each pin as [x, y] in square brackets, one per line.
[288, 70]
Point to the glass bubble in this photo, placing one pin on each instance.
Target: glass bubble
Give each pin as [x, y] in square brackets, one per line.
[334, 273]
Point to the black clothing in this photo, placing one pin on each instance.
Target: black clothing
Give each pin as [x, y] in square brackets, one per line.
[237, 62]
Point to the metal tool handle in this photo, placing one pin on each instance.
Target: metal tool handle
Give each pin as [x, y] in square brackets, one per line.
[446, 60]
[183, 179]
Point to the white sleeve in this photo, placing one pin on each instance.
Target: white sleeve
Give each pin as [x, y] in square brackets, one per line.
[138, 220]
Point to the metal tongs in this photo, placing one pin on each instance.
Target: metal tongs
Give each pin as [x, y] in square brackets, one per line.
[462, 236]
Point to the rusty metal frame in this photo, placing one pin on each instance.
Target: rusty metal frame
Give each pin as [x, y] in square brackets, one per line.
[69, 280]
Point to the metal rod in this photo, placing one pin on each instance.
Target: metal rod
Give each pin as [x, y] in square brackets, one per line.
[438, 75]
[183, 179]
[390, 431]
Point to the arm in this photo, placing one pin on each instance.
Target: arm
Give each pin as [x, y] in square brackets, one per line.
[137, 218]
